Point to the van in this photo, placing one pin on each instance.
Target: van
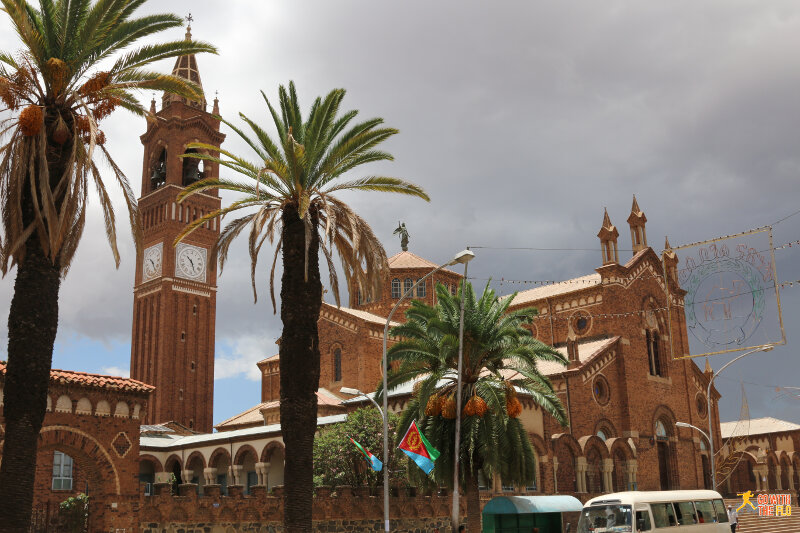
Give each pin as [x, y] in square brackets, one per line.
[671, 511]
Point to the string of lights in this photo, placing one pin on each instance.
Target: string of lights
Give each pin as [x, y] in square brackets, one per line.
[538, 249]
[640, 312]
[583, 281]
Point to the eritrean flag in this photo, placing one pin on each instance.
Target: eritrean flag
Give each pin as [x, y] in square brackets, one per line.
[373, 461]
[417, 447]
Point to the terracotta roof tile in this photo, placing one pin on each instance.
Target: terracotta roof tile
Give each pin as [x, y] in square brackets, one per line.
[366, 316]
[409, 260]
[253, 415]
[99, 381]
[563, 287]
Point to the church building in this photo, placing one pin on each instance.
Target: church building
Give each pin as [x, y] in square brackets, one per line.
[622, 389]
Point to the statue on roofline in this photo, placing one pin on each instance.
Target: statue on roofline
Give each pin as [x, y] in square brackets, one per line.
[403, 232]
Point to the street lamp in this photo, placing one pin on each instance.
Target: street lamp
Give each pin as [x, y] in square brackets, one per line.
[766, 348]
[685, 425]
[463, 257]
[356, 392]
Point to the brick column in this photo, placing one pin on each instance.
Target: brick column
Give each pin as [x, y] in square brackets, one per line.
[262, 471]
[210, 475]
[580, 474]
[607, 469]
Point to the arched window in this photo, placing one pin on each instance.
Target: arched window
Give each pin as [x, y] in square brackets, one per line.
[454, 289]
[396, 288]
[62, 471]
[421, 289]
[661, 431]
[602, 434]
[193, 169]
[337, 364]
[158, 175]
[408, 284]
[653, 355]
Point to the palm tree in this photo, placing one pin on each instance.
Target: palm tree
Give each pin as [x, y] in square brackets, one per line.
[54, 94]
[499, 363]
[289, 193]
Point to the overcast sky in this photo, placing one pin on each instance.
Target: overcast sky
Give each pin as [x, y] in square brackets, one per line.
[522, 120]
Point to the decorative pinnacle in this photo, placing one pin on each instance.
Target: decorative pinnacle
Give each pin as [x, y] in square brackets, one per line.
[606, 220]
[635, 207]
[189, 20]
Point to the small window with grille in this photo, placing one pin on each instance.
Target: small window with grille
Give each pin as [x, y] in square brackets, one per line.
[396, 288]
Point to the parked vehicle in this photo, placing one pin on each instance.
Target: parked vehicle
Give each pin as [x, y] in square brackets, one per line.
[674, 511]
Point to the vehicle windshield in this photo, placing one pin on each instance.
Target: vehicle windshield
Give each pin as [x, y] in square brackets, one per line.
[606, 519]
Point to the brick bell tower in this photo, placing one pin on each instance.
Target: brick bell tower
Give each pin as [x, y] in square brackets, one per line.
[174, 301]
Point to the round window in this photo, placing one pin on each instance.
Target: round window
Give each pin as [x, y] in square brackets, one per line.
[701, 404]
[600, 390]
[581, 322]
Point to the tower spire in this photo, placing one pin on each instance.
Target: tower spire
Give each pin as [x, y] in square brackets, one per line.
[186, 68]
[608, 240]
[637, 221]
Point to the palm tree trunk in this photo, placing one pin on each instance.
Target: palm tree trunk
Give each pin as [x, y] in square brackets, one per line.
[32, 326]
[473, 501]
[301, 300]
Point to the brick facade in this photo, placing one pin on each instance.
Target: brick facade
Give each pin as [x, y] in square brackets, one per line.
[172, 340]
[94, 420]
[623, 390]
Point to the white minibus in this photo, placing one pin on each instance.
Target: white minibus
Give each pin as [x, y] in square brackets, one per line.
[672, 511]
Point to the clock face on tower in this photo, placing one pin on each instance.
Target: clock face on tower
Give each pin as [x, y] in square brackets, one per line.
[151, 265]
[190, 262]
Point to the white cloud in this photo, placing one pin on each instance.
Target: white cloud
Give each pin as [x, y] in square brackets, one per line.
[238, 357]
[116, 371]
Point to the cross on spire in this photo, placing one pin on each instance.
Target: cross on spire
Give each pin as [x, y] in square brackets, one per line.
[189, 20]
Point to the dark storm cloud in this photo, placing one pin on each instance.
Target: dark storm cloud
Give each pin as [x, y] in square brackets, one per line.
[522, 120]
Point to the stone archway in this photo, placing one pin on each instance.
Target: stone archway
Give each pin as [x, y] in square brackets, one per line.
[568, 475]
[742, 476]
[244, 467]
[93, 469]
[597, 466]
[623, 476]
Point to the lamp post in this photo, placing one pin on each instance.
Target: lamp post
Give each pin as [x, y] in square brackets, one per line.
[766, 348]
[457, 443]
[463, 257]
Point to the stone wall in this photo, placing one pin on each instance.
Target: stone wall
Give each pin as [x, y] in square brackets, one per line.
[345, 510]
